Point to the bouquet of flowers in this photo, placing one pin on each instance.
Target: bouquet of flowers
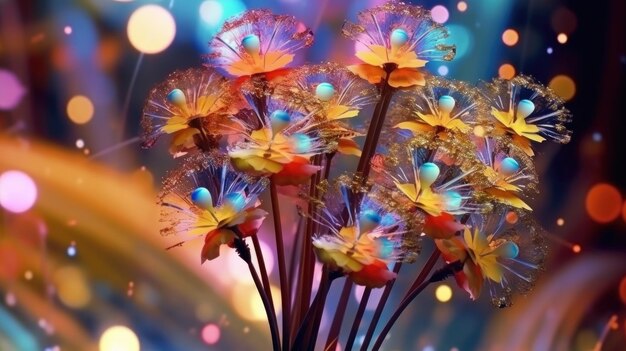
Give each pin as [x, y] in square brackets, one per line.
[441, 160]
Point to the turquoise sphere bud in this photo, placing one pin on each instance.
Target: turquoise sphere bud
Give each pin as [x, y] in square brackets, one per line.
[453, 200]
[325, 91]
[509, 166]
[280, 120]
[508, 249]
[251, 44]
[398, 37]
[368, 220]
[301, 143]
[177, 97]
[446, 103]
[236, 200]
[428, 173]
[525, 108]
[202, 198]
[386, 247]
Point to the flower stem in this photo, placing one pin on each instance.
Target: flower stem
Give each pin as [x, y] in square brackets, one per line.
[264, 276]
[437, 276]
[285, 290]
[357, 318]
[313, 315]
[335, 328]
[244, 252]
[379, 309]
[375, 127]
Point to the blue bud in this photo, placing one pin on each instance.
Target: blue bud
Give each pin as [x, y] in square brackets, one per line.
[368, 220]
[236, 200]
[280, 120]
[525, 108]
[509, 166]
[301, 143]
[398, 37]
[325, 91]
[177, 97]
[251, 44]
[202, 198]
[446, 103]
[428, 173]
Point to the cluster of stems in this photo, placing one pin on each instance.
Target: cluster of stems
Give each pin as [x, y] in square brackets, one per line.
[301, 316]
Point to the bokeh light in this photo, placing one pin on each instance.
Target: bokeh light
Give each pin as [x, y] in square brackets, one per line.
[443, 70]
[560, 222]
[562, 38]
[211, 334]
[563, 20]
[211, 12]
[510, 37]
[119, 338]
[12, 90]
[461, 6]
[549, 50]
[440, 14]
[151, 29]
[443, 293]
[622, 290]
[506, 71]
[511, 217]
[72, 287]
[248, 304]
[462, 38]
[80, 109]
[564, 86]
[18, 191]
[576, 248]
[603, 203]
[67, 30]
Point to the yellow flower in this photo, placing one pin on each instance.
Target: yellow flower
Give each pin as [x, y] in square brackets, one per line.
[394, 41]
[281, 148]
[527, 112]
[209, 199]
[193, 106]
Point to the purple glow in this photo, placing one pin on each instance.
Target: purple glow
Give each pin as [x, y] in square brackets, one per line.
[12, 90]
[18, 191]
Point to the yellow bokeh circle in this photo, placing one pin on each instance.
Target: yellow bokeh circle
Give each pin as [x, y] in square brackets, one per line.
[151, 29]
[80, 109]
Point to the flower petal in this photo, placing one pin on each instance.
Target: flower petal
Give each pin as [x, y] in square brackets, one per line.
[373, 74]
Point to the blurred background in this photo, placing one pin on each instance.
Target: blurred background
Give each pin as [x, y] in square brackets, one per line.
[83, 267]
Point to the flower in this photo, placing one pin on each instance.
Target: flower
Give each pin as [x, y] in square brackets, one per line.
[443, 107]
[362, 245]
[280, 146]
[394, 41]
[193, 106]
[509, 171]
[526, 111]
[208, 198]
[508, 258]
[257, 42]
[334, 95]
[430, 186]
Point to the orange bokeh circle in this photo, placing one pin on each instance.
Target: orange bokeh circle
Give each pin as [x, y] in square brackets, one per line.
[603, 203]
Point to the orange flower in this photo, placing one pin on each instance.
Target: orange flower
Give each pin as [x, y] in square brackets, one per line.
[194, 107]
[394, 42]
[209, 199]
[258, 42]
